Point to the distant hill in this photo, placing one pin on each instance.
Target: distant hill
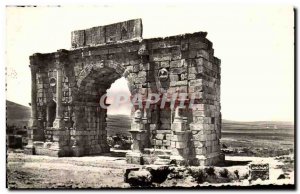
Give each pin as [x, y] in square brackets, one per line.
[118, 124]
[230, 125]
[121, 124]
[17, 114]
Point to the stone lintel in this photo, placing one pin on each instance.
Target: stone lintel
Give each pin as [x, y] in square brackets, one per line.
[112, 33]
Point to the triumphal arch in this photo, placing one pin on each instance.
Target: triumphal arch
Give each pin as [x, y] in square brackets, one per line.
[67, 85]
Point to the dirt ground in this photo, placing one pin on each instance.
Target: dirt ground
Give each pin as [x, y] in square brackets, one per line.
[28, 171]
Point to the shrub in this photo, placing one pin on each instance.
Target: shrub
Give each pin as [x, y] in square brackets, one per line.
[199, 175]
[236, 172]
[246, 176]
[281, 176]
[210, 171]
[224, 173]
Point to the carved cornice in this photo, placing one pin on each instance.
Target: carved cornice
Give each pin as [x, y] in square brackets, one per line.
[35, 59]
[61, 58]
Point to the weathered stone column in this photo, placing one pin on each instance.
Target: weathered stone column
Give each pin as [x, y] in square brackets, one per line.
[60, 133]
[49, 124]
[146, 122]
[33, 133]
[33, 118]
[59, 122]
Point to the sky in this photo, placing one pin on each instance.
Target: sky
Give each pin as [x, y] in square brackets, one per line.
[254, 43]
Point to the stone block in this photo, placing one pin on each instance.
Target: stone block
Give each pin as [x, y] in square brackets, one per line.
[199, 136]
[198, 82]
[178, 70]
[160, 136]
[137, 126]
[179, 83]
[166, 142]
[208, 142]
[173, 144]
[190, 54]
[192, 76]
[29, 150]
[178, 127]
[199, 120]
[198, 45]
[196, 92]
[176, 55]
[158, 142]
[198, 144]
[179, 137]
[181, 90]
[200, 113]
[180, 144]
[165, 126]
[178, 64]
[203, 53]
[142, 74]
[184, 46]
[78, 38]
[160, 131]
[168, 136]
[196, 126]
[139, 178]
[147, 159]
[153, 127]
[164, 64]
[160, 57]
[174, 78]
[200, 151]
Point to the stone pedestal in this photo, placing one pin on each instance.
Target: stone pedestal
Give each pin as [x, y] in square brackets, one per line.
[56, 144]
[29, 149]
[139, 136]
[34, 134]
[134, 158]
[139, 140]
[58, 123]
[180, 137]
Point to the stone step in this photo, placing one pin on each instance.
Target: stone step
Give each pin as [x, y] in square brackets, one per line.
[160, 161]
[164, 156]
[118, 153]
[157, 151]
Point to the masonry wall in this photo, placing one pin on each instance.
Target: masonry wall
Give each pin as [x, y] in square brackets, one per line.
[193, 69]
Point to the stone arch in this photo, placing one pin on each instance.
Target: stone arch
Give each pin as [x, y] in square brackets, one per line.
[102, 67]
[176, 64]
[90, 135]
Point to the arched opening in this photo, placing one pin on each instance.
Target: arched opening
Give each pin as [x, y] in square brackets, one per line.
[119, 115]
[51, 113]
[90, 109]
[119, 90]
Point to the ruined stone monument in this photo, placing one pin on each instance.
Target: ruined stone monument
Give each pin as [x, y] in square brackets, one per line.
[67, 119]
